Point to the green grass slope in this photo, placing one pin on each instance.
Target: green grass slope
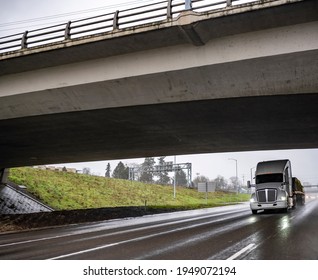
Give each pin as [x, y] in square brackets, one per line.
[67, 191]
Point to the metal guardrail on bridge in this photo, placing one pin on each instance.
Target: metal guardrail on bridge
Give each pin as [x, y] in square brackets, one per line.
[160, 10]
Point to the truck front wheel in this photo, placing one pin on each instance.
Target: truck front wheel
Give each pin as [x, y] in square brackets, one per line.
[254, 212]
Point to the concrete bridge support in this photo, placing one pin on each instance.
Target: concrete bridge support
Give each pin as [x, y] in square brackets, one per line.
[4, 174]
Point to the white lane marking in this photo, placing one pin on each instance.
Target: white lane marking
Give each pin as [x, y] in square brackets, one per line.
[242, 251]
[88, 250]
[138, 239]
[113, 244]
[34, 240]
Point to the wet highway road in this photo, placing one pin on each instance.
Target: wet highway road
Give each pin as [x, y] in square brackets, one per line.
[229, 232]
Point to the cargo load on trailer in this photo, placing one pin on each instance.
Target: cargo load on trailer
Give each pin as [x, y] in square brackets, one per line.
[298, 191]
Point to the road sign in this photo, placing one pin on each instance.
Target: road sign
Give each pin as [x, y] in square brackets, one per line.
[206, 187]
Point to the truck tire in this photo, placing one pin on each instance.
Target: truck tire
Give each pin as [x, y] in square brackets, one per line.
[303, 200]
[300, 199]
[254, 212]
[294, 201]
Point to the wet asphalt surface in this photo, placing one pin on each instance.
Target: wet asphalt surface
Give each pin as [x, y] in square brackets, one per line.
[221, 233]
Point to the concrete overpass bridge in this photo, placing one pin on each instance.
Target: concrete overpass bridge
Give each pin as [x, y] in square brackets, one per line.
[211, 79]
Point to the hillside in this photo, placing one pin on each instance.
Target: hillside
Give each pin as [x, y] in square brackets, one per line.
[69, 191]
[81, 198]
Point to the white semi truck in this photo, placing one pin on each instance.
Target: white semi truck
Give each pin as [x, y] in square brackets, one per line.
[273, 186]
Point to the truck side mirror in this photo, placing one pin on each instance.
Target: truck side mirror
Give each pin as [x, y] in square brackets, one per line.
[248, 184]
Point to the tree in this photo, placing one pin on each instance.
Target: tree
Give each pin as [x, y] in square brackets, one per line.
[121, 171]
[220, 183]
[200, 179]
[147, 170]
[163, 175]
[107, 174]
[235, 182]
[86, 171]
[181, 178]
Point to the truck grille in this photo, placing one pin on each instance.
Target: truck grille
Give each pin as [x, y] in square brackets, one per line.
[266, 195]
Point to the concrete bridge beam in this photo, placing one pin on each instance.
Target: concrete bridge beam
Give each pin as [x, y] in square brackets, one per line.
[268, 62]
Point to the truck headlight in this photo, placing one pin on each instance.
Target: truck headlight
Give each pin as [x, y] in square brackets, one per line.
[252, 200]
[283, 198]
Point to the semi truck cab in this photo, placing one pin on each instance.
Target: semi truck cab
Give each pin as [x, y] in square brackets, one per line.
[273, 186]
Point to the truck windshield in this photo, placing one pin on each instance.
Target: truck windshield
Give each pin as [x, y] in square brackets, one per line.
[268, 178]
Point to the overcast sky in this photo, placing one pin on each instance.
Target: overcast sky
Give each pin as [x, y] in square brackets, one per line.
[20, 15]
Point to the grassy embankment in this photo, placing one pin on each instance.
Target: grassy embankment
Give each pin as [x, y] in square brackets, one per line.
[66, 191]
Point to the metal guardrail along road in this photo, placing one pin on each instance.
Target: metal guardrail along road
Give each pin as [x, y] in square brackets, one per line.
[161, 10]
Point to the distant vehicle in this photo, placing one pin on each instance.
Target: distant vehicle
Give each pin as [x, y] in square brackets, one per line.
[275, 188]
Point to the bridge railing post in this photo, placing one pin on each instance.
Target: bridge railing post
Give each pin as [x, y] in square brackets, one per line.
[228, 3]
[169, 9]
[24, 40]
[115, 20]
[188, 4]
[67, 34]
[4, 174]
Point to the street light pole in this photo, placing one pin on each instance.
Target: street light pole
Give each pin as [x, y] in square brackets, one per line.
[252, 175]
[235, 171]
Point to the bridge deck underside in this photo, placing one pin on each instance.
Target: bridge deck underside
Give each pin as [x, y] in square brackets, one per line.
[234, 124]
